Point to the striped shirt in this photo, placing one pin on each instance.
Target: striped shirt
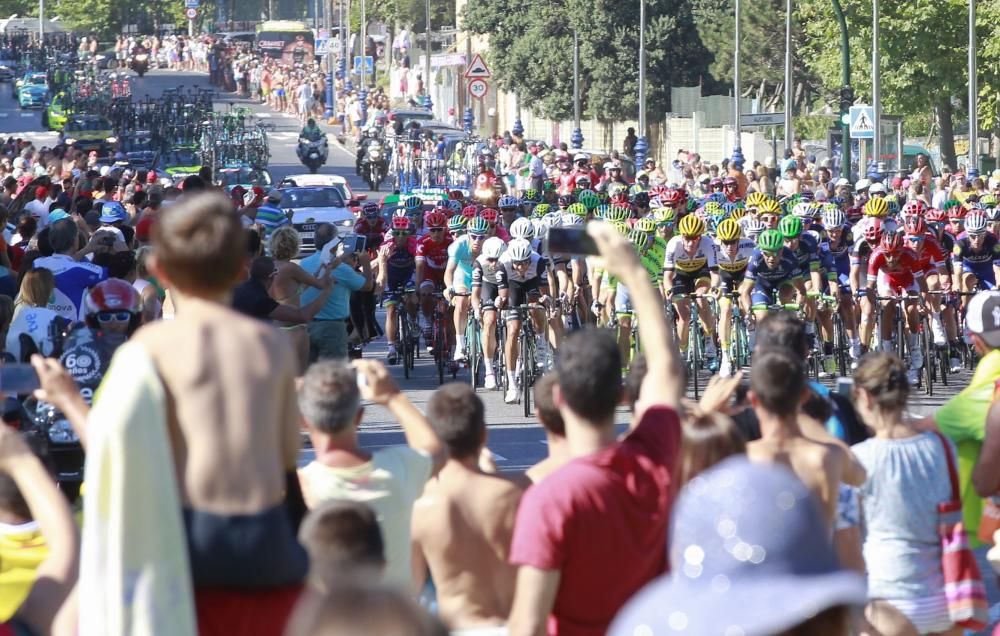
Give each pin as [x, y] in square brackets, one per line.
[271, 218]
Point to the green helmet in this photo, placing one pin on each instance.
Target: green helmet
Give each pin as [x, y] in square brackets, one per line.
[638, 238]
[456, 224]
[790, 227]
[645, 225]
[589, 200]
[542, 209]
[770, 240]
[532, 194]
[478, 225]
[413, 203]
[714, 209]
[620, 212]
[577, 209]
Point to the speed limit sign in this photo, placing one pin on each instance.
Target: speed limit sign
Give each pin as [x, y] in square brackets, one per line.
[478, 88]
[191, 13]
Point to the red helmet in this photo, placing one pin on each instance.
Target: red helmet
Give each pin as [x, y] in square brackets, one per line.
[956, 212]
[470, 211]
[401, 223]
[915, 226]
[435, 219]
[620, 198]
[873, 231]
[934, 215]
[455, 195]
[891, 243]
[489, 214]
[915, 208]
[658, 191]
[673, 197]
[715, 183]
[729, 181]
[113, 294]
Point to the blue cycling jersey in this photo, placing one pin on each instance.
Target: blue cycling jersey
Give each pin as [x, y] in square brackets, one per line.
[807, 253]
[769, 279]
[73, 278]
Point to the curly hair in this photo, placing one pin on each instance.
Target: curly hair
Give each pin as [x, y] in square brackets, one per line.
[285, 243]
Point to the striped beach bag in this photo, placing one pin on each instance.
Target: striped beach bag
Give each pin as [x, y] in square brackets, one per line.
[963, 583]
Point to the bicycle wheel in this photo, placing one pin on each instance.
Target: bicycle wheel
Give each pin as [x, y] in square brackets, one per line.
[925, 343]
[440, 346]
[403, 332]
[500, 357]
[840, 345]
[740, 344]
[527, 368]
[694, 348]
[472, 343]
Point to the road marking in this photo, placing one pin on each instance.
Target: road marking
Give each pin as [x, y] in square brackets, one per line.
[4, 114]
[498, 458]
[27, 114]
[263, 115]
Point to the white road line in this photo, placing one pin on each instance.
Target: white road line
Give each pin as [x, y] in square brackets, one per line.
[4, 114]
[27, 114]
[498, 458]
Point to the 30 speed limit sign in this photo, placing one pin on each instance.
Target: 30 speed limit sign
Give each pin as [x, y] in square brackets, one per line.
[478, 88]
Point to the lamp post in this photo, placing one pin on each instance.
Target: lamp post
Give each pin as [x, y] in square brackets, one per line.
[518, 128]
[41, 21]
[876, 87]
[846, 94]
[576, 139]
[641, 145]
[736, 80]
[427, 62]
[328, 111]
[789, 133]
[973, 91]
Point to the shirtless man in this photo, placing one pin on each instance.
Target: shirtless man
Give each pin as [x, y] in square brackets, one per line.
[777, 389]
[464, 522]
[228, 398]
[555, 430]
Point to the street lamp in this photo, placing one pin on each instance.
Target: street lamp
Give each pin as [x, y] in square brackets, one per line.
[327, 22]
[736, 80]
[846, 94]
[641, 146]
[973, 91]
[576, 139]
[427, 62]
[518, 128]
[876, 88]
[788, 78]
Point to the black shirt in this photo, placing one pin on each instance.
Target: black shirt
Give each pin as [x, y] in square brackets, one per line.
[251, 298]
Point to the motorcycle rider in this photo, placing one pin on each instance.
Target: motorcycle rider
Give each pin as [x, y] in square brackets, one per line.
[311, 133]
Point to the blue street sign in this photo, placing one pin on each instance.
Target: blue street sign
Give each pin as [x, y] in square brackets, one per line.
[862, 122]
[369, 65]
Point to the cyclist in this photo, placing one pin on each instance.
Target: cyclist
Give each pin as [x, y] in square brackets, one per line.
[975, 257]
[652, 260]
[733, 254]
[520, 275]
[396, 279]
[837, 248]
[861, 252]
[431, 260]
[509, 208]
[414, 209]
[805, 248]
[491, 217]
[371, 225]
[772, 273]
[690, 268]
[484, 293]
[458, 276]
[894, 271]
[456, 226]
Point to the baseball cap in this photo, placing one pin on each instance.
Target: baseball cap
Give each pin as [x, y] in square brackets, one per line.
[861, 185]
[842, 182]
[983, 317]
[274, 196]
[750, 539]
[57, 215]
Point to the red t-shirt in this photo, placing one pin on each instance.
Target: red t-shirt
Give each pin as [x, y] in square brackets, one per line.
[601, 520]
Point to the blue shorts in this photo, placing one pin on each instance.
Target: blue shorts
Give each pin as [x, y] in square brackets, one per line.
[760, 298]
[987, 279]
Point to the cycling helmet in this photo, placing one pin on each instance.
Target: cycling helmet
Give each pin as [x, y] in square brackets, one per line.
[893, 205]
[456, 195]
[553, 219]
[754, 227]
[507, 202]
[691, 226]
[873, 231]
[113, 294]
[891, 243]
[645, 225]
[951, 203]
[565, 200]
[640, 199]
[435, 219]
[989, 199]
[470, 211]
[729, 181]
[713, 208]
[975, 223]
[790, 227]
[578, 209]
[454, 205]
[456, 224]
[493, 247]
[737, 214]
[834, 217]
[770, 241]
[806, 196]
[914, 208]
[665, 216]
[413, 203]
[478, 226]
[637, 238]
[715, 183]
[876, 207]
[620, 197]
[755, 199]
[489, 215]
[542, 209]
[915, 226]
[717, 197]
[602, 211]
[369, 209]
[582, 179]
[993, 214]
[620, 212]
[802, 209]
[571, 219]
[728, 230]
[401, 224]
[519, 249]
[589, 200]
[533, 195]
[935, 215]
[769, 206]
[522, 228]
[673, 197]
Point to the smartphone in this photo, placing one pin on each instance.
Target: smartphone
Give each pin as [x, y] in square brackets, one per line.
[353, 244]
[18, 379]
[570, 240]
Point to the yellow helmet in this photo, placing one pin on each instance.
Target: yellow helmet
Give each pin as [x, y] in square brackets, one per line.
[769, 206]
[691, 226]
[755, 199]
[728, 230]
[877, 207]
[737, 214]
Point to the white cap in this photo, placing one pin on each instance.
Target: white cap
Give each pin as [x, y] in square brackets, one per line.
[580, 157]
[862, 184]
[877, 187]
[841, 182]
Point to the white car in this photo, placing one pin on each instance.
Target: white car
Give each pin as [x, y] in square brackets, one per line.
[310, 205]
[329, 180]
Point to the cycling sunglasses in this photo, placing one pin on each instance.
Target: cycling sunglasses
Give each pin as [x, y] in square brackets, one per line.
[526, 261]
[771, 253]
[400, 233]
[477, 237]
[435, 229]
[114, 316]
[730, 243]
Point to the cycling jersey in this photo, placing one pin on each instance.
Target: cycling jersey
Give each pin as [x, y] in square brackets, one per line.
[72, 278]
[931, 256]
[981, 262]
[657, 250]
[374, 230]
[769, 279]
[898, 276]
[732, 270]
[838, 260]
[434, 255]
[807, 253]
[400, 263]
[506, 273]
[484, 272]
[680, 259]
[460, 253]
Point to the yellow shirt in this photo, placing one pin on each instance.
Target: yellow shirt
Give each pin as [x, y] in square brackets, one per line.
[390, 482]
[22, 550]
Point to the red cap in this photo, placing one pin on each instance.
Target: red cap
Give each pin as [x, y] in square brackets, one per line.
[151, 176]
[41, 192]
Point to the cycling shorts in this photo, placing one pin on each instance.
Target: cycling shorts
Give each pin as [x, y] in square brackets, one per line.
[982, 271]
[462, 280]
[686, 282]
[435, 278]
[488, 293]
[886, 285]
[518, 293]
[395, 292]
[623, 302]
[731, 280]
[761, 298]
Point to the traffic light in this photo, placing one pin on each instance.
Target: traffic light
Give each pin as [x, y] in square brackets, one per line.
[846, 98]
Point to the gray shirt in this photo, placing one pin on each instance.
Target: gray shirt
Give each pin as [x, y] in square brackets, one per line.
[907, 479]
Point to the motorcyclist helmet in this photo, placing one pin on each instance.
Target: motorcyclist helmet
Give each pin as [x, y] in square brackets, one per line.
[112, 304]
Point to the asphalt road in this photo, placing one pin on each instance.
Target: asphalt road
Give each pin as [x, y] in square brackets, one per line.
[516, 442]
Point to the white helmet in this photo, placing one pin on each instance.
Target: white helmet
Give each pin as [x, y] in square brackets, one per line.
[753, 227]
[834, 217]
[522, 228]
[802, 209]
[493, 247]
[975, 223]
[519, 249]
[571, 219]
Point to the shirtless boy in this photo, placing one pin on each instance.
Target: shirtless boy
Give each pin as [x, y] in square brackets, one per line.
[463, 523]
[555, 430]
[777, 388]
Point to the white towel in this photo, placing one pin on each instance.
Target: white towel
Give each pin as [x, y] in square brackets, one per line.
[134, 574]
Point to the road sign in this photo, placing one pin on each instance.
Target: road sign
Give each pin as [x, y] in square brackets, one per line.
[478, 68]
[192, 4]
[862, 122]
[369, 65]
[321, 46]
[478, 87]
[762, 119]
[191, 13]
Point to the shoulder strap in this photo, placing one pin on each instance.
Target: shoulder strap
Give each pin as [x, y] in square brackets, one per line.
[952, 473]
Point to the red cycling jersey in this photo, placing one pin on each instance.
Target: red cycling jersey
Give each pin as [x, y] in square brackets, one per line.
[434, 255]
[374, 230]
[930, 255]
[900, 274]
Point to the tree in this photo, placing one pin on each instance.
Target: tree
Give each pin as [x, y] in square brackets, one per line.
[923, 53]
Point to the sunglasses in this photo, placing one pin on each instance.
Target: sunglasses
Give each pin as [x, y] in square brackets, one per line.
[731, 243]
[492, 260]
[400, 233]
[478, 237]
[522, 263]
[436, 229]
[914, 239]
[976, 235]
[115, 316]
[770, 253]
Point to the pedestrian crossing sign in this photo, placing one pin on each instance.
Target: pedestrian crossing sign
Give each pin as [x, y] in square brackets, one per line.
[862, 122]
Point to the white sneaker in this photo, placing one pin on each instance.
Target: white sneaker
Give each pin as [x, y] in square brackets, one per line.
[490, 382]
[459, 355]
[956, 365]
[937, 329]
[710, 349]
[913, 376]
[726, 368]
[916, 359]
[511, 396]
